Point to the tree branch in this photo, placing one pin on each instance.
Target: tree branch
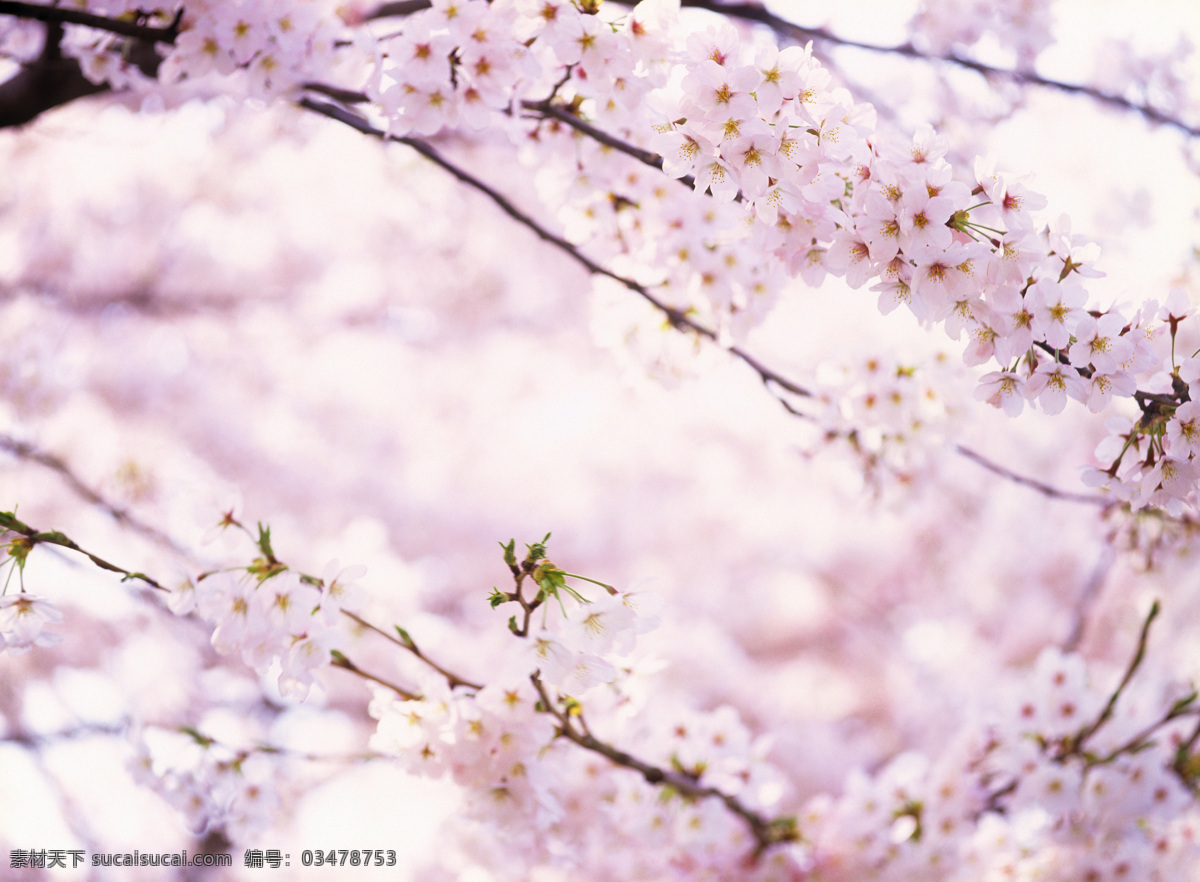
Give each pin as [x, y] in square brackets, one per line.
[43, 84]
[756, 13]
[549, 109]
[1076, 744]
[1032, 483]
[53, 79]
[766, 832]
[26, 451]
[397, 9]
[9, 522]
[340, 661]
[64, 15]
[676, 318]
[410, 645]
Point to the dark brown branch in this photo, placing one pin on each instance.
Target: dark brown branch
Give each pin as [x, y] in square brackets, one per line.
[346, 96]
[756, 13]
[62, 15]
[44, 83]
[52, 79]
[563, 115]
[766, 832]
[397, 9]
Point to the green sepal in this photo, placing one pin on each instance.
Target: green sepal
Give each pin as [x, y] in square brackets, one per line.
[197, 736]
[404, 638]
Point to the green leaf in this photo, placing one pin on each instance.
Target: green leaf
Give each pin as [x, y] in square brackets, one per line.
[497, 597]
[404, 638]
[197, 736]
[512, 625]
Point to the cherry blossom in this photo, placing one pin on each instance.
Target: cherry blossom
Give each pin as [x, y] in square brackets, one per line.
[336, 309]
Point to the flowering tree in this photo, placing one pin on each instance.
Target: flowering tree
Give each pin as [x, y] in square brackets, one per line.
[293, 287]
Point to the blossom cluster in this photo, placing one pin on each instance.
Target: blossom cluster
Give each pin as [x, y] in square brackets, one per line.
[793, 166]
[796, 170]
[1049, 788]
[894, 417]
[562, 752]
[493, 740]
[538, 798]
[279, 44]
[272, 46]
[212, 786]
[279, 621]
[1061, 777]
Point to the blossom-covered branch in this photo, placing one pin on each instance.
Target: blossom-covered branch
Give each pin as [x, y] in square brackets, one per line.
[789, 30]
[766, 831]
[676, 318]
[771, 378]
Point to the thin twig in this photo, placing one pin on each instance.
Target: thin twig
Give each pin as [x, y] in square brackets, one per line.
[565, 116]
[53, 537]
[26, 451]
[1185, 707]
[757, 13]
[1076, 743]
[340, 661]
[1040, 486]
[451, 678]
